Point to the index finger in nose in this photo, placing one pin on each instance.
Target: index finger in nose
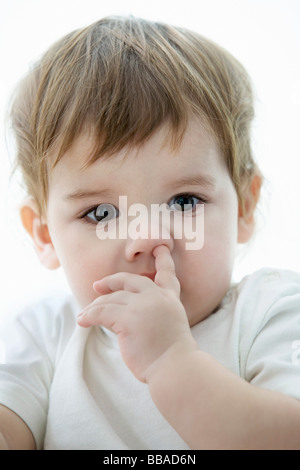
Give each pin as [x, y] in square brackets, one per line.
[165, 269]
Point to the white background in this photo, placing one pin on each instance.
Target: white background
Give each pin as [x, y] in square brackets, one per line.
[263, 34]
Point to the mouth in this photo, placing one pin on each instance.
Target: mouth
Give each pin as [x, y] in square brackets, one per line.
[149, 275]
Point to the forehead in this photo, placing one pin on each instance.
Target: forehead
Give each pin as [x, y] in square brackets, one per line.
[156, 157]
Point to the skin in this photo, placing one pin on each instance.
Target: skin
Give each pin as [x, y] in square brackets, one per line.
[148, 175]
[150, 291]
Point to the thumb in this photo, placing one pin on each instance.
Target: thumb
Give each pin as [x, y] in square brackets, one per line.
[165, 269]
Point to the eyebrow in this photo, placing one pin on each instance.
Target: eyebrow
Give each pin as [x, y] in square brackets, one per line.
[206, 181]
[84, 194]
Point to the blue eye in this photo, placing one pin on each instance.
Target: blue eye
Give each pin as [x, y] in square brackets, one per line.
[184, 202]
[102, 213]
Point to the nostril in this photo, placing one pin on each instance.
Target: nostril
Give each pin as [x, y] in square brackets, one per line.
[149, 275]
[135, 248]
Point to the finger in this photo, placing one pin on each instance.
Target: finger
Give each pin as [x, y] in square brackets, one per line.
[104, 315]
[119, 297]
[165, 269]
[121, 281]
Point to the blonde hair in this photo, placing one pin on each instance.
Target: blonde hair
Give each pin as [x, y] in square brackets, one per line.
[125, 77]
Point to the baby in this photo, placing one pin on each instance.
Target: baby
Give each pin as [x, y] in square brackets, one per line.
[156, 349]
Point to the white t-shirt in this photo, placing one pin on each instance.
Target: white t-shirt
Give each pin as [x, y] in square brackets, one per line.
[71, 387]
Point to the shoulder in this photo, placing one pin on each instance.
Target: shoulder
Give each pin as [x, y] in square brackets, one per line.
[49, 308]
[46, 321]
[267, 311]
[271, 279]
[261, 291]
[266, 304]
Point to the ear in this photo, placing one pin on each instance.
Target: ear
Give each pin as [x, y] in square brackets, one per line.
[246, 221]
[37, 228]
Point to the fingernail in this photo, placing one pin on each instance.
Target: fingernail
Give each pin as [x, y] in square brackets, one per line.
[97, 284]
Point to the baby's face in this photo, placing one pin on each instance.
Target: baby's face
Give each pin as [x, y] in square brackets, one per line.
[194, 174]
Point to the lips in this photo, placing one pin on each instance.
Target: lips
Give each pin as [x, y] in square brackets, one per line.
[150, 275]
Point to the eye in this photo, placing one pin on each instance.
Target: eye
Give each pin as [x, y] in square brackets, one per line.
[101, 213]
[184, 202]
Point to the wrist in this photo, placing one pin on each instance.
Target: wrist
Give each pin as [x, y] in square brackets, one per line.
[3, 442]
[173, 359]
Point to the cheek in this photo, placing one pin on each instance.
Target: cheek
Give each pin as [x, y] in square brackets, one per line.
[221, 231]
[81, 271]
[204, 285]
[83, 262]
[218, 250]
[205, 274]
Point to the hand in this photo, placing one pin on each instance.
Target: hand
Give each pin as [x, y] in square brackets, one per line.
[147, 316]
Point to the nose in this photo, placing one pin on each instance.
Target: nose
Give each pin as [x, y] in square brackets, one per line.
[144, 242]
